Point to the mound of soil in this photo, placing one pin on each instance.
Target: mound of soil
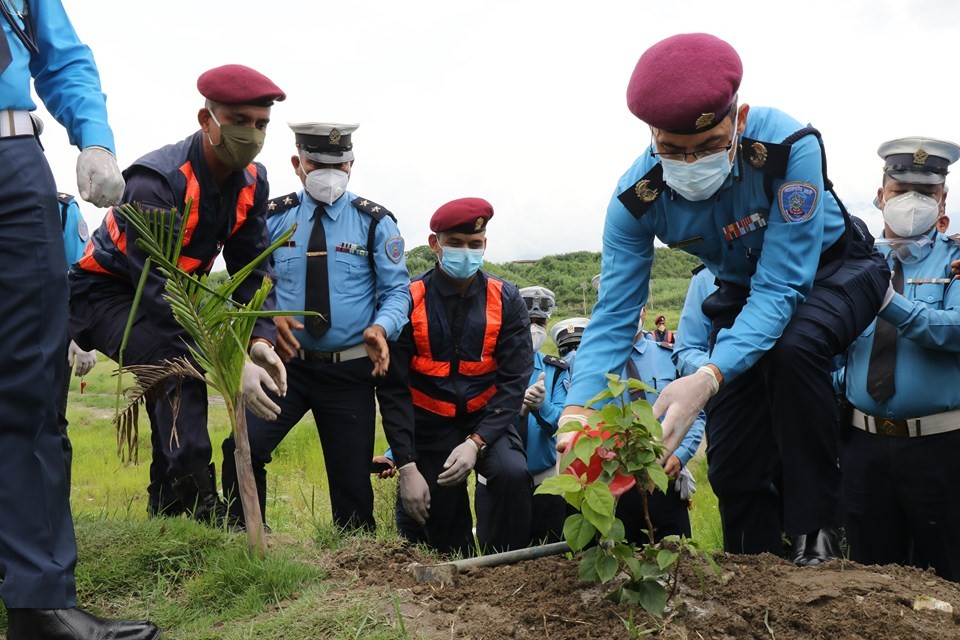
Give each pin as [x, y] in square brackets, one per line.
[761, 597]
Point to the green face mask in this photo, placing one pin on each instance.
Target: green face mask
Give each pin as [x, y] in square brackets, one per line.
[238, 145]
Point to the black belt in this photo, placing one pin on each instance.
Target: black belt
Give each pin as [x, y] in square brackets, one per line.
[317, 356]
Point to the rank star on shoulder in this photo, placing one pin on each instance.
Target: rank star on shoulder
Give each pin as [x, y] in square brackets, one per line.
[287, 200]
[364, 203]
[271, 205]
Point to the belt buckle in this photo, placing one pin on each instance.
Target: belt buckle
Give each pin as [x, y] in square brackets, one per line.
[892, 428]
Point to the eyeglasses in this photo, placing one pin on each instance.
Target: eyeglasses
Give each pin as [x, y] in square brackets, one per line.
[699, 154]
[539, 303]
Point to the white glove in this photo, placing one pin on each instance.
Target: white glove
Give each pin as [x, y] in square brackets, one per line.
[264, 356]
[414, 492]
[535, 394]
[459, 464]
[685, 484]
[79, 360]
[563, 439]
[256, 399]
[98, 177]
[682, 401]
[887, 297]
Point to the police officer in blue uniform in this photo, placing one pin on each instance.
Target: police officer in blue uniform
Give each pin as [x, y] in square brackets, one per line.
[567, 334]
[346, 262]
[901, 498]
[37, 545]
[692, 348]
[468, 349]
[213, 169]
[744, 189]
[79, 362]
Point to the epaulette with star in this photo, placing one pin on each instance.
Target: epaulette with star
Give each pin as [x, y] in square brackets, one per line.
[372, 209]
[65, 198]
[281, 204]
[559, 363]
[769, 158]
[641, 196]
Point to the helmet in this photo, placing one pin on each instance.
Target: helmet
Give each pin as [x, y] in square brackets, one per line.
[566, 334]
[540, 301]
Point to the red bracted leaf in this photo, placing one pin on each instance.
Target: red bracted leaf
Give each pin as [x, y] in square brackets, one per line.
[620, 484]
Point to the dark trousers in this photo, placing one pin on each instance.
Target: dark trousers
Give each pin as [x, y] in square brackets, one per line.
[62, 419]
[503, 503]
[37, 545]
[669, 514]
[341, 397]
[97, 321]
[772, 431]
[547, 516]
[901, 499]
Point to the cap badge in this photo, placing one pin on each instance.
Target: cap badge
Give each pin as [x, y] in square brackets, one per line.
[920, 157]
[705, 120]
[758, 157]
[335, 136]
[644, 192]
[478, 224]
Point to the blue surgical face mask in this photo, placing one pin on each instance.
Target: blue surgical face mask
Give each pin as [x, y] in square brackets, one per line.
[699, 180]
[461, 263]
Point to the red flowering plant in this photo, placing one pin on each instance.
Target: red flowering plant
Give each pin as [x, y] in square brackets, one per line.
[617, 451]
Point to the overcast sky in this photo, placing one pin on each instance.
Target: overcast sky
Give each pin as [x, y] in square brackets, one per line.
[521, 102]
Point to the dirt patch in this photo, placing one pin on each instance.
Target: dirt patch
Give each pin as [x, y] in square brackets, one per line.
[759, 597]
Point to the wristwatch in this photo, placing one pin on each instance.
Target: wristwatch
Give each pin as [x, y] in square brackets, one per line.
[478, 441]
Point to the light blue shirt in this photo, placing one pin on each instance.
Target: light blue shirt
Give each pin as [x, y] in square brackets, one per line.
[75, 232]
[358, 297]
[542, 424]
[927, 316]
[65, 76]
[778, 262]
[692, 348]
[656, 370]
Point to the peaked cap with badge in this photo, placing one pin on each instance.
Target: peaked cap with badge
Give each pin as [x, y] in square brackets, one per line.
[464, 215]
[325, 142]
[918, 160]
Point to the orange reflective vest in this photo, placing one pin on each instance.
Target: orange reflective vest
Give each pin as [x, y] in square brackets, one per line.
[453, 375]
[106, 251]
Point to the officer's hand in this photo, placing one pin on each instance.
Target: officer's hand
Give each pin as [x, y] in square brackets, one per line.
[459, 464]
[256, 399]
[375, 341]
[81, 361]
[98, 177]
[955, 268]
[682, 401]
[287, 345]
[686, 485]
[414, 492]
[672, 466]
[266, 358]
[386, 473]
[535, 394]
[570, 414]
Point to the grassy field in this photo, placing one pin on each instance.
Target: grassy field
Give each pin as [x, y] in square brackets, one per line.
[199, 583]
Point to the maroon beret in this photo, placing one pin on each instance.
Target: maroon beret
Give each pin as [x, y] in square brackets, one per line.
[237, 84]
[685, 84]
[466, 215]
[660, 319]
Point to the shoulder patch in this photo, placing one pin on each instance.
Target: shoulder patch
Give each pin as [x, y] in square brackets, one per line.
[394, 248]
[641, 196]
[797, 200]
[559, 363]
[65, 198]
[372, 209]
[281, 204]
[769, 158]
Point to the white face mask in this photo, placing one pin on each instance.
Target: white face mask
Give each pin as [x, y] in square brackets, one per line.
[538, 335]
[699, 180]
[326, 185]
[911, 214]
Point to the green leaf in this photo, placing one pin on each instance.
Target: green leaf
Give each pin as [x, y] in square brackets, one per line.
[607, 567]
[666, 558]
[570, 426]
[633, 383]
[649, 594]
[578, 531]
[559, 485]
[600, 397]
[585, 448]
[634, 567]
[616, 388]
[611, 466]
[568, 457]
[611, 413]
[574, 499]
[602, 521]
[659, 476]
[598, 496]
[617, 533]
[588, 565]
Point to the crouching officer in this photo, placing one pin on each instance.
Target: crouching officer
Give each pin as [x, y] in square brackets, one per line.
[214, 169]
[901, 500]
[346, 262]
[469, 355]
[744, 189]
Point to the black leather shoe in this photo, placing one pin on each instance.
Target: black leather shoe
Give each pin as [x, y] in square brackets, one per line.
[74, 624]
[811, 549]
